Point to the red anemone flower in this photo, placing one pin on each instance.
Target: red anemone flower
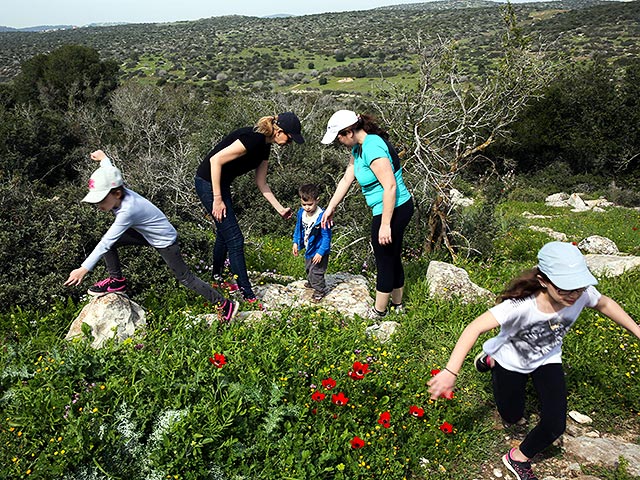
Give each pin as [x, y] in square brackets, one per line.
[448, 395]
[435, 371]
[218, 360]
[446, 427]
[339, 399]
[328, 383]
[318, 396]
[416, 411]
[359, 370]
[385, 419]
[357, 442]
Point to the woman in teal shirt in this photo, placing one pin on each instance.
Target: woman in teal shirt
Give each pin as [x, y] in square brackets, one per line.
[376, 166]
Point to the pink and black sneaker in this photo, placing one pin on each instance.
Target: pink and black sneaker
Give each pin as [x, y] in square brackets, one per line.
[108, 285]
[483, 362]
[228, 311]
[522, 470]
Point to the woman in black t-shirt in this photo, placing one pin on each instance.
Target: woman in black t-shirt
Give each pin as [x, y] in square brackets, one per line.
[240, 152]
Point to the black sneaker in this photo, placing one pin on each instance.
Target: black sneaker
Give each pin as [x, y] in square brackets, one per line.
[228, 310]
[482, 362]
[374, 314]
[317, 296]
[522, 470]
[108, 285]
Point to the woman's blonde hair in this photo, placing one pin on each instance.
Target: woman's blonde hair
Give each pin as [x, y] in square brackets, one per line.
[266, 126]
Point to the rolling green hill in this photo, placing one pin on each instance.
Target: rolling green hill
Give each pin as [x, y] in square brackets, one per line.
[318, 51]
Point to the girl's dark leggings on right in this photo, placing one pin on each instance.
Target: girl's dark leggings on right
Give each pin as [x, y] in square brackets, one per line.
[551, 388]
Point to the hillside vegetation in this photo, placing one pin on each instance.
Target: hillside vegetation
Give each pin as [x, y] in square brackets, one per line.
[315, 51]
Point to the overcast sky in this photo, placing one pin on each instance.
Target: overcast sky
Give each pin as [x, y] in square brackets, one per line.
[29, 13]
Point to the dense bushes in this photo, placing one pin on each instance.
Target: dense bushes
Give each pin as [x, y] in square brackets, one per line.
[157, 136]
[588, 118]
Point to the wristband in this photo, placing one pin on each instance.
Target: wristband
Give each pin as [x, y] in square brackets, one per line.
[454, 374]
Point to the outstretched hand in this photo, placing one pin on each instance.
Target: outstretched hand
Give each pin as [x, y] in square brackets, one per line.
[287, 213]
[76, 276]
[441, 384]
[327, 218]
[98, 155]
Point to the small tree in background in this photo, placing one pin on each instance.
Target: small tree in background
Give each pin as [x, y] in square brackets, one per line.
[69, 75]
[449, 121]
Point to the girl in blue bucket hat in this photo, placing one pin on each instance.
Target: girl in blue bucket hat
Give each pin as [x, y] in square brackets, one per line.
[534, 313]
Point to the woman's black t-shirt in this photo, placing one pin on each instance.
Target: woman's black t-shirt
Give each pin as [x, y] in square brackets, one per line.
[257, 148]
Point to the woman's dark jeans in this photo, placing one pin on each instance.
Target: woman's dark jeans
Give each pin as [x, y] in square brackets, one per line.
[229, 238]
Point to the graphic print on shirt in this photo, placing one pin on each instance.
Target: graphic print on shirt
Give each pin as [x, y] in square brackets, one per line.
[540, 338]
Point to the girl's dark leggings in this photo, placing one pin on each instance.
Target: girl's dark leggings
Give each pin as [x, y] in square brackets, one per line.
[172, 257]
[551, 389]
[390, 273]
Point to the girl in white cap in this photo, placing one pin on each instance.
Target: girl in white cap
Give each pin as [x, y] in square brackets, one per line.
[534, 313]
[137, 222]
[375, 164]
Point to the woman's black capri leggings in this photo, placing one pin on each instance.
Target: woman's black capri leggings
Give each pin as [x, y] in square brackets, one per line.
[390, 274]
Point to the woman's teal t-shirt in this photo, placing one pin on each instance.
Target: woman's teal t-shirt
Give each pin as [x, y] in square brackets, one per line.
[371, 149]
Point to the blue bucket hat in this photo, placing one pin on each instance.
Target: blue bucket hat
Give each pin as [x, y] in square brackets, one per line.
[565, 266]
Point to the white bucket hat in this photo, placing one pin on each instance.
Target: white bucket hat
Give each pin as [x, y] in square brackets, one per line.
[101, 182]
[339, 121]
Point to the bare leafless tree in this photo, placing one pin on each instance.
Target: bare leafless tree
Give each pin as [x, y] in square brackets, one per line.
[450, 120]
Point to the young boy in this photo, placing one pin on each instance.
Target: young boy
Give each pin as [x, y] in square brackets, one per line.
[316, 241]
[137, 222]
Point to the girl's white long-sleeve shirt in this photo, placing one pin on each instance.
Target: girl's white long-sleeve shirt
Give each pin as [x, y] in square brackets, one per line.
[140, 214]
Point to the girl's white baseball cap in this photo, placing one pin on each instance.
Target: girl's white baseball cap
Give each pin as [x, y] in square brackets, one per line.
[101, 182]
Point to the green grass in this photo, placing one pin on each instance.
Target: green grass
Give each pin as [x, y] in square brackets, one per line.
[156, 407]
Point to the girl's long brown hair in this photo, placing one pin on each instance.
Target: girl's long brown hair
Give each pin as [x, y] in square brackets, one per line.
[523, 286]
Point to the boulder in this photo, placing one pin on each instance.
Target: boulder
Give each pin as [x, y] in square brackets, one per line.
[557, 200]
[458, 199]
[577, 203]
[447, 282]
[603, 451]
[599, 245]
[611, 265]
[112, 315]
[347, 294]
[559, 236]
[383, 331]
[599, 203]
[534, 216]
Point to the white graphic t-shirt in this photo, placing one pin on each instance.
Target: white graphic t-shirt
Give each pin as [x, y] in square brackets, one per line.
[308, 221]
[530, 338]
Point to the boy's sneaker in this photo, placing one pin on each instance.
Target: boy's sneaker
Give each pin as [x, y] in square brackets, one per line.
[482, 362]
[228, 311]
[373, 314]
[317, 296]
[522, 470]
[397, 308]
[108, 285]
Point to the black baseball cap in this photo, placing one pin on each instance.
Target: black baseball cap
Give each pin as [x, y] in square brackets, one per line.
[290, 123]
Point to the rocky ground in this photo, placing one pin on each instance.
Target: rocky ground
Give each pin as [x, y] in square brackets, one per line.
[580, 448]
